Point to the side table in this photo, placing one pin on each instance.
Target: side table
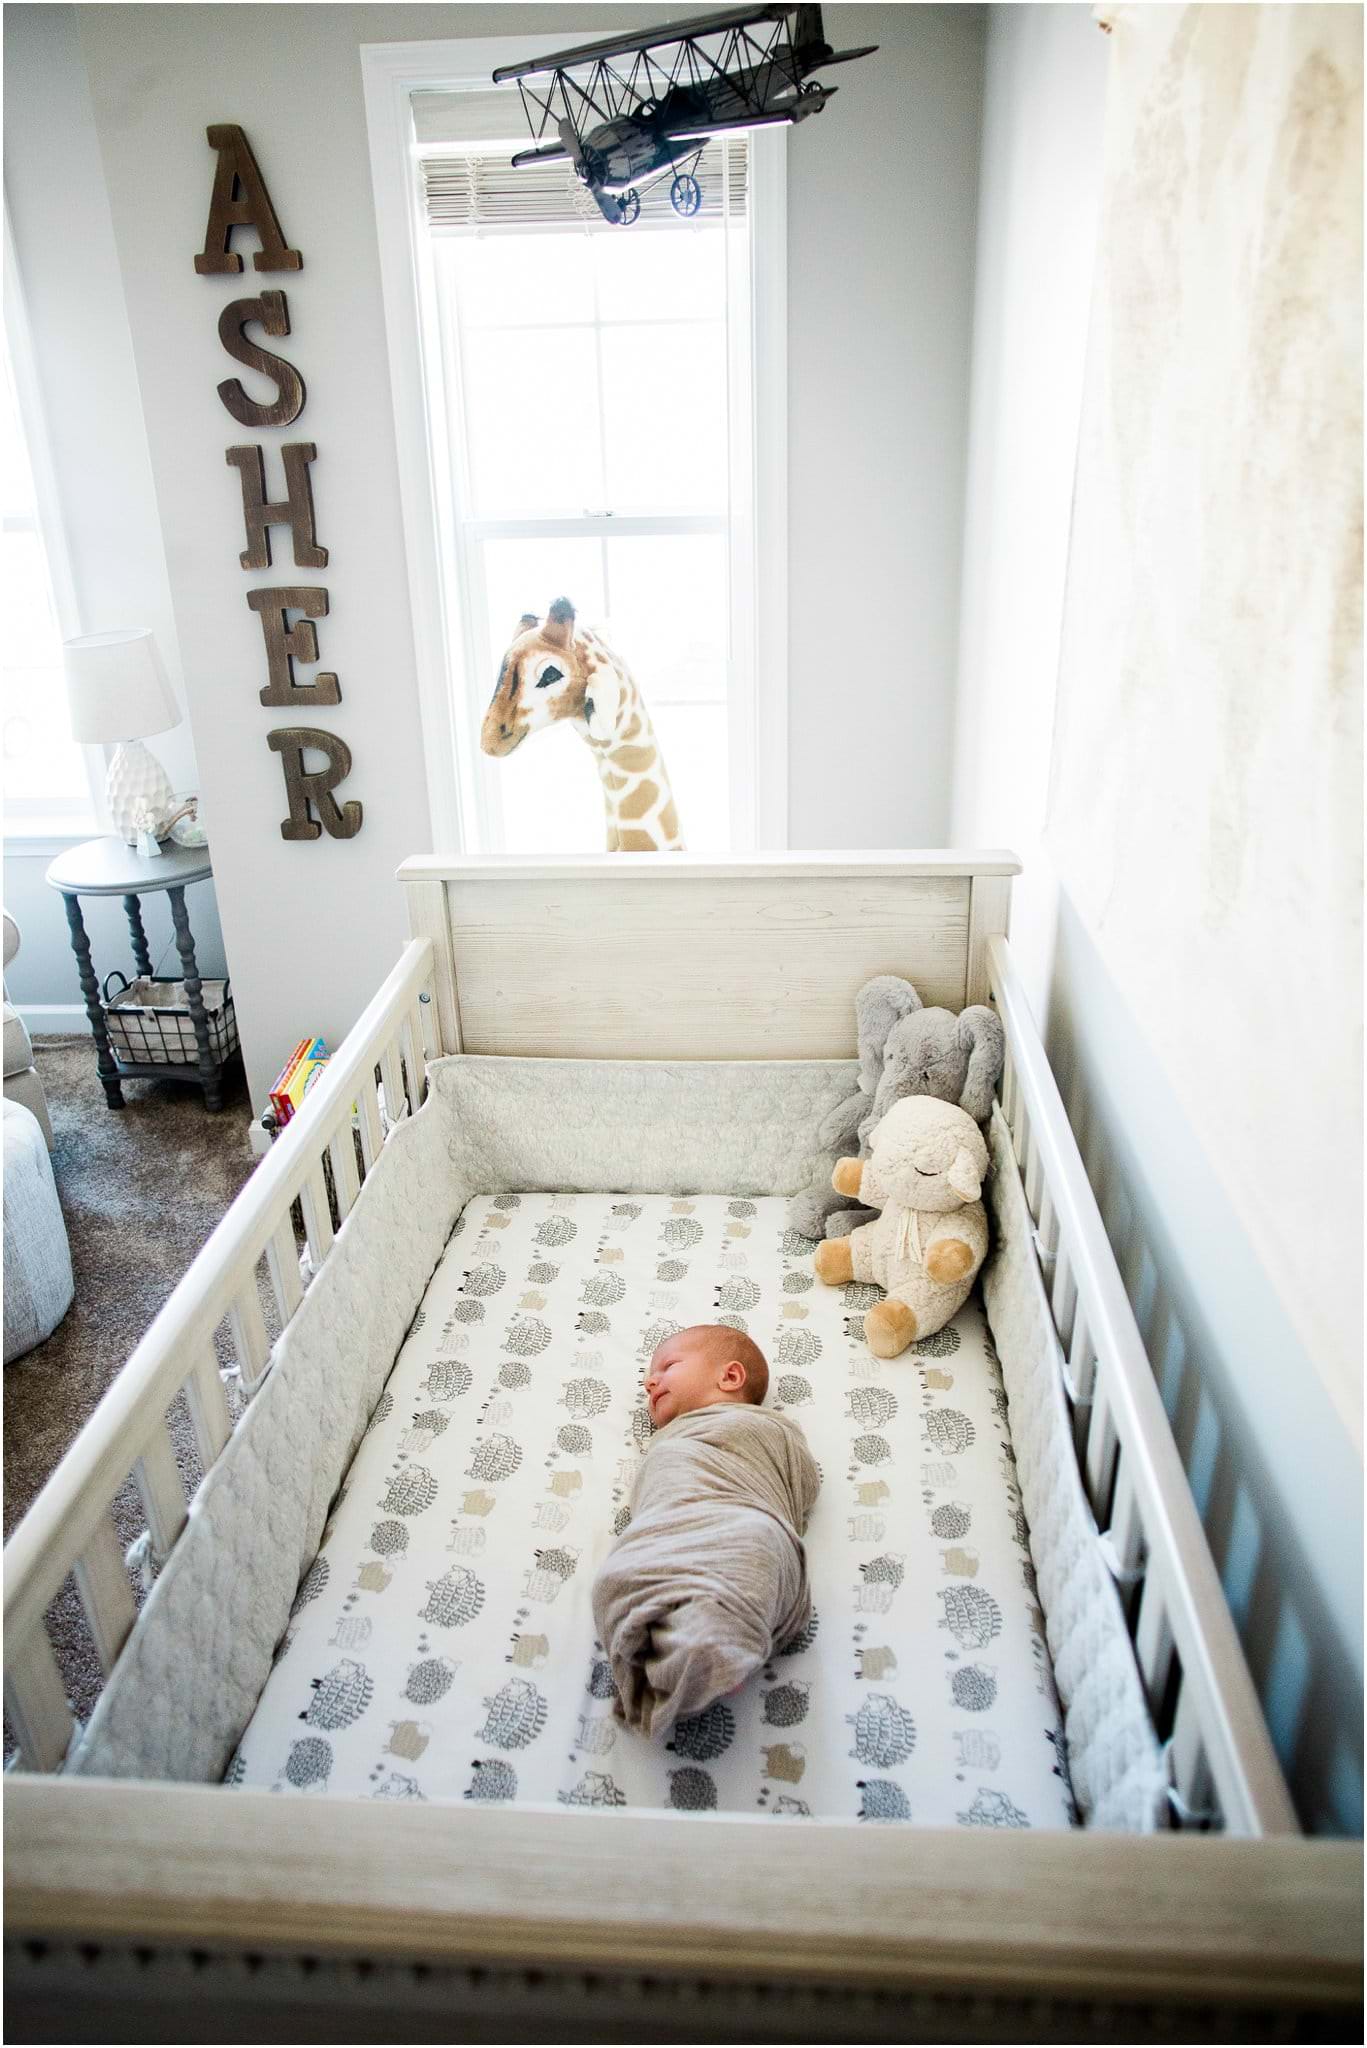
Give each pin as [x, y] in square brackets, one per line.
[107, 867]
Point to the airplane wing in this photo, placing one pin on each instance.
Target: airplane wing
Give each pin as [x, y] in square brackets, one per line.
[627, 46]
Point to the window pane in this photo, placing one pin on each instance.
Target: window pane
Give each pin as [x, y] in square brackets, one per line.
[668, 614]
[664, 401]
[693, 740]
[528, 575]
[531, 400]
[520, 280]
[667, 275]
[551, 796]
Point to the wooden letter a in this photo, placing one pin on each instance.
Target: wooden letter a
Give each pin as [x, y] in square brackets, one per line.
[240, 200]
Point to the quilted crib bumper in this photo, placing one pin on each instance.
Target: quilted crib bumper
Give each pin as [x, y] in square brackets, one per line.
[196, 1664]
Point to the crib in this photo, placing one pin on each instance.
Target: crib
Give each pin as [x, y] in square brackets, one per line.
[146, 1901]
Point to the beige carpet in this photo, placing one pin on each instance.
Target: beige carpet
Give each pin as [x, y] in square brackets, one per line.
[141, 1189]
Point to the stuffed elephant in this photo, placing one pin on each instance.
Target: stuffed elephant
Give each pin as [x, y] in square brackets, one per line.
[904, 1049]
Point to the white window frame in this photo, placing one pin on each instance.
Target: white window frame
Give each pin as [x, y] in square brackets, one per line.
[32, 824]
[758, 684]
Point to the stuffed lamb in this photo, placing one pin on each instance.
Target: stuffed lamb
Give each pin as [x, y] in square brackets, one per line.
[904, 1050]
[925, 1172]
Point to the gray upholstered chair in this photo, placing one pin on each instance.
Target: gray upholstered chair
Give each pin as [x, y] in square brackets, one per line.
[21, 1076]
[38, 1277]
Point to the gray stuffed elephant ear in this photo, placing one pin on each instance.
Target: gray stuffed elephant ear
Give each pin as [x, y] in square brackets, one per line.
[877, 1007]
[879, 1004]
[982, 1041]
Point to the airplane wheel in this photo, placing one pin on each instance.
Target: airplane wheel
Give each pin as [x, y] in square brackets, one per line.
[685, 195]
[631, 206]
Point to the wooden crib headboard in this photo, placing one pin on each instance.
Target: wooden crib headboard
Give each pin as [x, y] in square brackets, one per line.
[691, 956]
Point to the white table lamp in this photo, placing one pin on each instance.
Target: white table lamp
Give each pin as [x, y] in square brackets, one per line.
[117, 690]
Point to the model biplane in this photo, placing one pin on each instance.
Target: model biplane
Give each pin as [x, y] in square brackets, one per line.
[632, 110]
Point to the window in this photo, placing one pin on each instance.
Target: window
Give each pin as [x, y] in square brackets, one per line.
[46, 784]
[698, 601]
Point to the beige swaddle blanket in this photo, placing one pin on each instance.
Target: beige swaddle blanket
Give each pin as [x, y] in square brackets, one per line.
[709, 1576]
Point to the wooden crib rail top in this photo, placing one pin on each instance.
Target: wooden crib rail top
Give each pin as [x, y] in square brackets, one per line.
[696, 956]
[1167, 1920]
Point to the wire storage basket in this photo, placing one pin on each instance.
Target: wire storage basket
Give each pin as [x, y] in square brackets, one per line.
[150, 1025]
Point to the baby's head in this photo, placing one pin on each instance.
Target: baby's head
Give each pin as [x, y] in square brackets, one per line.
[702, 1366]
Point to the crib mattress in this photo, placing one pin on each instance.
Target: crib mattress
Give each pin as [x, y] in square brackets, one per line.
[442, 1645]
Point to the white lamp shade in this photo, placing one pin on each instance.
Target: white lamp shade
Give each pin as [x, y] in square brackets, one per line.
[116, 687]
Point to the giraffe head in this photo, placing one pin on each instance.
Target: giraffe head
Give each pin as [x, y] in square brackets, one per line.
[544, 678]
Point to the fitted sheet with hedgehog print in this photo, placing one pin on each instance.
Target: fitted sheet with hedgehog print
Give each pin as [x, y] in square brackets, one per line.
[442, 1646]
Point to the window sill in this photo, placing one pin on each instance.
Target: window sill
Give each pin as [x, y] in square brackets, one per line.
[46, 841]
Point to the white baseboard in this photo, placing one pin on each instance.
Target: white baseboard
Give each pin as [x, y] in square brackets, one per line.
[60, 1017]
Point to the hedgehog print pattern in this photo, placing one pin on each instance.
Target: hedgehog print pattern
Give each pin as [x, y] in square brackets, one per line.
[884, 1571]
[642, 1427]
[454, 1599]
[561, 1563]
[591, 1322]
[468, 1312]
[671, 1269]
[952, 1520]
[791, 1390]
[681, 1232]
[692, 1791]
[732, 1321]
[978, 1749]
[798, 1283]
[398, 1786]
[499, 1458]
[794, 1245]
[974, 1689]
[312, 1584]
[861, 1294]
[585, 1398]
[700, 1737]
[308, 1763]
[972, 1616]
[797, 1347]
[601, 1684]
[541, 1272]
[949, 1431]
[872, 1406]
[429, 1681]
[384, 1408]
[340, 1697]
[428, 1424]
[575, 1439]
[507, 1201]
[803, 1640]
[884, 1732]
[492, 1780]
[556, 1230]
[595, 1788]
[602, 1290]
[410, 1492]
[654, 1335]
[529, 1338]
[483, 1280]
[737, 1293]
[883, 1800]
[621, 1520]
[447, 1380]
[236, 1771]
[942, 1344]
[871, 1450]
[992, 1810]
[514, 1716]
[513, 1374]
[785, 1705]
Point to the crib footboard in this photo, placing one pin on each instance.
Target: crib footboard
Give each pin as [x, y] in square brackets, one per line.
[139, 1912]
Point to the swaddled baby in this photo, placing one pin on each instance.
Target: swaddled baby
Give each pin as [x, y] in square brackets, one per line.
[709, 1575]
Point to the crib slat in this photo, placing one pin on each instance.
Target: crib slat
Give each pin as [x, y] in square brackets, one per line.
[250, 1342]
[317, 1214]
[1126, 1531]
[372, 1130]
[1034, 1177]
[342, 1150]
[157, 1478]
[391, 1069]
[1010, 1091]
[417, 1055]
[1063, 1296]
[1153, 1644]
[208, 1405]
[105, 1594]
[36, 1702]
[1047, 1228]
[1102, 1444]
[1191, 1776]
[282, 1259]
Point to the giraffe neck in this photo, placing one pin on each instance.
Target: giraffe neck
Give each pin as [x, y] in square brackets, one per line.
[638, 801]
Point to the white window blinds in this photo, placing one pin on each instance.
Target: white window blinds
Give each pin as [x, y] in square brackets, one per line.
[468, 181]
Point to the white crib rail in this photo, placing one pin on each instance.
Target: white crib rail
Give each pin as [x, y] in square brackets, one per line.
[1221, 1758]
[68, 1529]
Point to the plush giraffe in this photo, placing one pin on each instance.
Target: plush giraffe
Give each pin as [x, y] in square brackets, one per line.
[555, 671]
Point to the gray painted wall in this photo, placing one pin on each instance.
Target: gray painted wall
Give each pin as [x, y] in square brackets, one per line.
[881, 202]
[1277, 1477]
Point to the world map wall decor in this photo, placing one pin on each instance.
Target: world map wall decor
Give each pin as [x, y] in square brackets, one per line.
[240, 199]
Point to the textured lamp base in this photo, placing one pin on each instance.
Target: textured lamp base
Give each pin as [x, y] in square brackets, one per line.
[136, 778]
